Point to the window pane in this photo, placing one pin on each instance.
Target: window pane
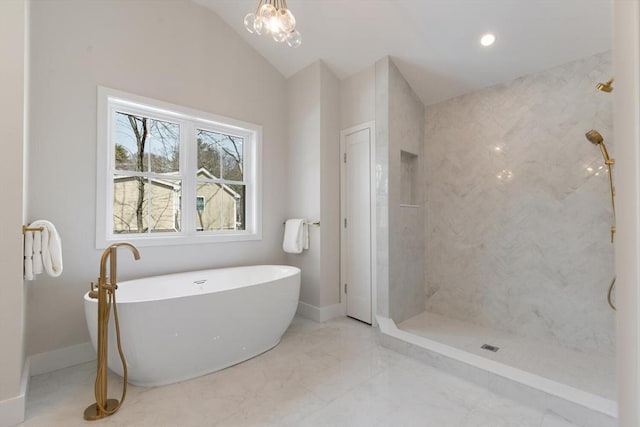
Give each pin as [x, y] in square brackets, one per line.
[164, 147]
[220, 154]
[239, 213]
[164, 209]
[231, 158]
[143, 144]
[218, 207]
[129, 204]
[142, 205]
[209, 152]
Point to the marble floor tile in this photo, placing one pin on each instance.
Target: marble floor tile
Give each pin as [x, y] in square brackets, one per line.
[329, 374]
[496, 411]
[551, 420]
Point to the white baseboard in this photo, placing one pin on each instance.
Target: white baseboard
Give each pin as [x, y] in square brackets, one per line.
[12, 410]
[320, 314]
[50, 361]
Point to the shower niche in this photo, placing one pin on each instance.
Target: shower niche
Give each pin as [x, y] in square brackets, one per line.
[409, 180]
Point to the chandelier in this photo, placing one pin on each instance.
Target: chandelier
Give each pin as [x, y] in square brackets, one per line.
[274, 19]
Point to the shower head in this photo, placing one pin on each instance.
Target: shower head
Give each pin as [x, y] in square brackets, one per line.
[605, 87]
[594, 137]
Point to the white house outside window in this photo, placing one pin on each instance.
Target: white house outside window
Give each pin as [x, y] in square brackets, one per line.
[171, 175]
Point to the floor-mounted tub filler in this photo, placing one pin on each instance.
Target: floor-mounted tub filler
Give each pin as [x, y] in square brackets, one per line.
[181, 326]
[103, 294]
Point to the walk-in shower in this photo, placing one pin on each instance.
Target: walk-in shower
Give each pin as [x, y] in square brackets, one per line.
[517, 242]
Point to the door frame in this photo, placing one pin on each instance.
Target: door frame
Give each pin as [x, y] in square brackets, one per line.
[626, 123]
[343, 238]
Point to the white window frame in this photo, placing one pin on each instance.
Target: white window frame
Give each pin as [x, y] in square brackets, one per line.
[110, 101]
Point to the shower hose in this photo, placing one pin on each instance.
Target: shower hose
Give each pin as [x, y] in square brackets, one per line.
[610, 294]
[112, 301]
[613, 229]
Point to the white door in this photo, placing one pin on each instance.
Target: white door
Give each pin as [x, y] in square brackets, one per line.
[356, 222]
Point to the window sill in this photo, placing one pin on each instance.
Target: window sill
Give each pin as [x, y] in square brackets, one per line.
[175, 240]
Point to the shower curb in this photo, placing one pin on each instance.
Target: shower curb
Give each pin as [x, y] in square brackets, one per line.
[575, 405]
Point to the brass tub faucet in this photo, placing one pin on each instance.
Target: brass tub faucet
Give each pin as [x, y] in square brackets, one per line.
[105, 293]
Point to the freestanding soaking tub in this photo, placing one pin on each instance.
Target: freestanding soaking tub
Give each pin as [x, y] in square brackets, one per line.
[180, 326]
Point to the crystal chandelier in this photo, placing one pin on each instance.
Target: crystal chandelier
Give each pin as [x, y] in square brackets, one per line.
[274, 19]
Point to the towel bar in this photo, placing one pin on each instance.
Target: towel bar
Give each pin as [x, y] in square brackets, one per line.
[25, 229]
[308, 223]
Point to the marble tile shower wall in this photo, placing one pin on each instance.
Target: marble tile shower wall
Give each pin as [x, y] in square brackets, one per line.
[400, 241]
[406, 217]
[518, 209]
[382, 185]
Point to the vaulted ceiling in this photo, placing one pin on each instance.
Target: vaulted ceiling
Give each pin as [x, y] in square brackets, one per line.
[435, 43]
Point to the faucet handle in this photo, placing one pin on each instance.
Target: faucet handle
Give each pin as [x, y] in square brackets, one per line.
[93, 292]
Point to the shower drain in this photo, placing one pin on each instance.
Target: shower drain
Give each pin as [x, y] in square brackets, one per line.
[490, 347]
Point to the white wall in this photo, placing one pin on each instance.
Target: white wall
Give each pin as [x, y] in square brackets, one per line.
[358, 98]
[314, 179]
[174, 51]
[303, 183]
[329, 186]
[12, 104]
[626, 122]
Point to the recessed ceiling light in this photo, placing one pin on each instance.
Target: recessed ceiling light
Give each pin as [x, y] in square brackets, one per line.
[487, 39]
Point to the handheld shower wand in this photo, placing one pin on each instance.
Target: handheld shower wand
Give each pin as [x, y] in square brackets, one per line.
[596, 138]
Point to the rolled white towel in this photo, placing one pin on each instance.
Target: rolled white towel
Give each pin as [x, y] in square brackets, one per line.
[294, 237]
[305, 235]
[51, 248]
[28, 255]
[37, 252]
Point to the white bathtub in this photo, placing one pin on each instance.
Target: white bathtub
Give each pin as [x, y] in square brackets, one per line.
[181, 326]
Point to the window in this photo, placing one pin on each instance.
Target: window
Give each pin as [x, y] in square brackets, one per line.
[171, 175]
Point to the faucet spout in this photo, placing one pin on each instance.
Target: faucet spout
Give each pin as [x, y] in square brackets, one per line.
[111, 254]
